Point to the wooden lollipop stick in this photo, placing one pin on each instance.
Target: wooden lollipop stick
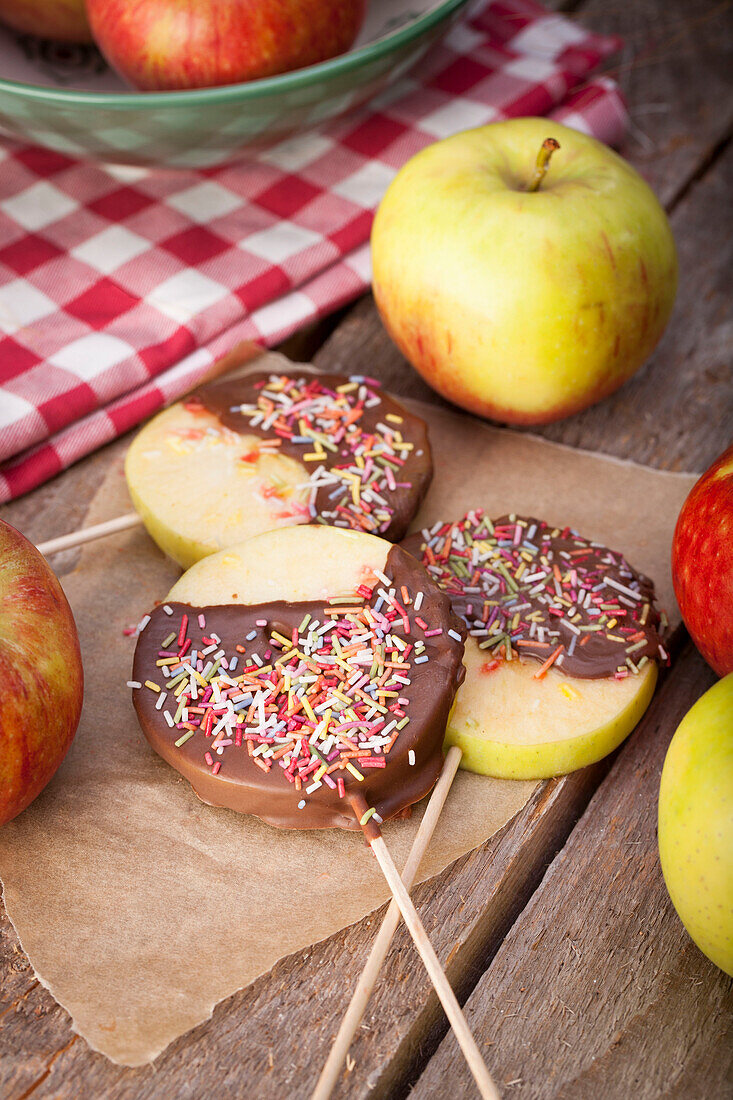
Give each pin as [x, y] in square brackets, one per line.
[425, 950]
[243, 353]
[88, 534]
[378, 953]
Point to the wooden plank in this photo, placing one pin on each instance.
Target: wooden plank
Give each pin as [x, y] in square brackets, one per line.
[674, 71]
[597, 989]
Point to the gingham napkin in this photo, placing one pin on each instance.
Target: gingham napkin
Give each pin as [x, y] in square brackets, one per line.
[119, 286]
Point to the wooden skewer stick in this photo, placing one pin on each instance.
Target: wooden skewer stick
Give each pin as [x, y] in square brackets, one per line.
[88, 534]
[442, 986]
[378, 953]
[243, 353]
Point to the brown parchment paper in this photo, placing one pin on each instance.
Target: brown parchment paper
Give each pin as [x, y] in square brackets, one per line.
[139, 907]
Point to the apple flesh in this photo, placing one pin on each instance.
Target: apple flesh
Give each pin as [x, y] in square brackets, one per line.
[41, 679]
[172, 44]
[294, 564]
[696, 823]
[524, 306]
[199, 487]
[64, 20]
[513, 726]
[702, 564]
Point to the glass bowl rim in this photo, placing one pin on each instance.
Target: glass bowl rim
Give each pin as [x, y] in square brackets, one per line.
[252, 90]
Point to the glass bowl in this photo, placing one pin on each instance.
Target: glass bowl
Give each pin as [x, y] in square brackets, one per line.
[65, 97]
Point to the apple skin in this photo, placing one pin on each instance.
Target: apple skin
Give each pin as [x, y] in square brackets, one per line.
[173, 44]
[41, 678]
[523, 307]
[702, 564]
[696, 823]
[64, 20]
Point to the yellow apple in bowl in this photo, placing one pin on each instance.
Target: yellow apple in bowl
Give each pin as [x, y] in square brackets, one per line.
[696, 823]
[41, 679]
[523, 288]
[64, 20]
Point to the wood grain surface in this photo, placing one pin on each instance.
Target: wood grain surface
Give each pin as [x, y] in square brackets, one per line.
[581, 983]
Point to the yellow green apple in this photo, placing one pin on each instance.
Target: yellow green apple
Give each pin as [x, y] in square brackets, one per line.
[65, 20]
[41, 679]
[696, 823]
[520, 289]
[512, 725]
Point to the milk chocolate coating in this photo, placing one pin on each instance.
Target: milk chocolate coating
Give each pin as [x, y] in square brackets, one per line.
[223, 398]
[241, 785]
[604, 651]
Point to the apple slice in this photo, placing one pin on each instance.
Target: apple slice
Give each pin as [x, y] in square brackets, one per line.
[199, 487]
[561, 658]
[312, 563]
[513, 726]
[267, 450]
[302, 672]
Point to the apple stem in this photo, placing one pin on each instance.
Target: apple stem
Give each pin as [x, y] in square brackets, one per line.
[548, 147]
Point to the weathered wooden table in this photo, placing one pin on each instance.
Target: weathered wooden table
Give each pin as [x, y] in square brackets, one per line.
[558, 936]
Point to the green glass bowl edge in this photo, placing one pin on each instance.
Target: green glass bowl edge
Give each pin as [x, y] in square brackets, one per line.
[285, 82]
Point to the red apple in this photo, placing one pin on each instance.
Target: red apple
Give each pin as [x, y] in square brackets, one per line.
[167, 44]
[64, 20]
[41, 679]
[702, 564]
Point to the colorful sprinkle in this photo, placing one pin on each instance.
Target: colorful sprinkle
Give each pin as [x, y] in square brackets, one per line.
[354, 466]
[526, 589]
[326, 700]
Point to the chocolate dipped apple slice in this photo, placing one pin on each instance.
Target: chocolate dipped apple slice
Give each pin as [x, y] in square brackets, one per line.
[265, 451]
[563, 643]
[304, 664]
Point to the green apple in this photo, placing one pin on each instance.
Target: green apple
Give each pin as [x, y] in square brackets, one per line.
[520, 295]
[513, 726]
[195, 494]
[696, 823]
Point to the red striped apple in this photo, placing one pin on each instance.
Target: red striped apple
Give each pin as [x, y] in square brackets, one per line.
[41, 679]
[520, 293]
[169, 44]
[702, 563]
[65, 20]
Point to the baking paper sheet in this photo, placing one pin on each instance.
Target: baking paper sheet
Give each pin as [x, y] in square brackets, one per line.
[139, 906]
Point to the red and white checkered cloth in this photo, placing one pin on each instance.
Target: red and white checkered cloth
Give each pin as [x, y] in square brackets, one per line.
[119, 286]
